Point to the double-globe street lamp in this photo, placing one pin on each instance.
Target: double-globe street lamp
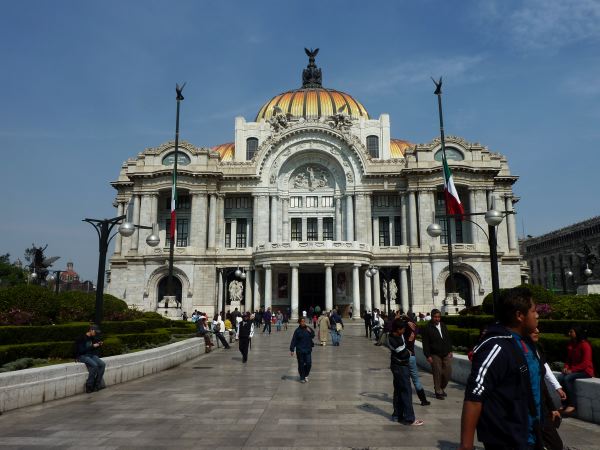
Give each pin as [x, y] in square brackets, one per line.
[493, 218]
[104, 229]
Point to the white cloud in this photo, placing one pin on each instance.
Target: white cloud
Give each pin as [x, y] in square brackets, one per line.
[583, 83]
[385, 79]
[542, 24]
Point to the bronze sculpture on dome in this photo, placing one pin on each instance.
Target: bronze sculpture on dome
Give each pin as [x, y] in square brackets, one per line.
[311, 76]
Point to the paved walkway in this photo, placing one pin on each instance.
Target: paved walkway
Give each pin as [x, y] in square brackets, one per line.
[215, 401]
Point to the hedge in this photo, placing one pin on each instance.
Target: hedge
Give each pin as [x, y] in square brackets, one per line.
[139, 340]
[70, 331]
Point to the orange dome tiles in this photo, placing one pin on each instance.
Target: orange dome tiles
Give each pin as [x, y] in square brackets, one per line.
[398, 147]
[225, 151]
[313, 102]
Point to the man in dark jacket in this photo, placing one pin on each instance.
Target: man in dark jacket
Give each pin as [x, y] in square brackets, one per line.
[245, 331]
[399, 365]
[302, 343]
[368, 318]
[86, 351]
[502, 396]
[267, 316]
[437, 348]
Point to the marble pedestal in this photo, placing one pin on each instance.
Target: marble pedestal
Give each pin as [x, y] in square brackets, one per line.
[169, 307]
[591, 287]
[453, 303]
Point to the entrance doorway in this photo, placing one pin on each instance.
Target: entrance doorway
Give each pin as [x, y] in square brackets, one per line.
[162, 288]
[311, 291]
[463, 287]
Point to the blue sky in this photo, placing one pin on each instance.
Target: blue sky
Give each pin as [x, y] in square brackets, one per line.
[86, 85]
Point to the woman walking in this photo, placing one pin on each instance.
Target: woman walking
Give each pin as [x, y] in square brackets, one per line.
[324, 326]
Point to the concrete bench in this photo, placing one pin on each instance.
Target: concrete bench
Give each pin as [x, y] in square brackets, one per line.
[588, 390]
[34, 386]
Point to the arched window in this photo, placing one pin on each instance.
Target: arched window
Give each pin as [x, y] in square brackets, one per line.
[373, 146]
[182, 159]
[452, 154]
[251, 147]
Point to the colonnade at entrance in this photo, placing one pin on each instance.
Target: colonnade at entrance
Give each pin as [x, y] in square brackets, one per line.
[360, 294]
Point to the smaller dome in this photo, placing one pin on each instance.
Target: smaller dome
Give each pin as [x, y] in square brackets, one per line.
[226, 151]
[398, 147]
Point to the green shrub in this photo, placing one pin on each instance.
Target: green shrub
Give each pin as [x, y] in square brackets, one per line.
[140, 340]
[152, 315]
[463, 337]
[21, 363]
[81, 306]
[38, 303]
[540, 295]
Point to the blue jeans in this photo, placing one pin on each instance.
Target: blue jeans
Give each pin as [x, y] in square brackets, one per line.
[278, 325]
[267, 326]
[414, 373]
[335, 337]
[403, 407]
[568, 382]
[304, 364]
[95, 367]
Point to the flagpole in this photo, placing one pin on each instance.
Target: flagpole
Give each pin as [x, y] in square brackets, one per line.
[438, 92]
[173, 225]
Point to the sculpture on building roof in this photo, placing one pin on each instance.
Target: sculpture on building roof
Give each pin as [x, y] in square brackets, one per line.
[311, 76]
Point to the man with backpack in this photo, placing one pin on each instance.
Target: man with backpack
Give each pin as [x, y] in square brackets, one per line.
[218, 328]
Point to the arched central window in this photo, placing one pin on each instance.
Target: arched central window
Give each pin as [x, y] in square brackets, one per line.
[373, 146]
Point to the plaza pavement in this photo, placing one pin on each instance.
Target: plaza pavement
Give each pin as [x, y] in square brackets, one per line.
[215, 401]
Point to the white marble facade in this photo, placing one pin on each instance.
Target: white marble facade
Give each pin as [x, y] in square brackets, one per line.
[306, 212]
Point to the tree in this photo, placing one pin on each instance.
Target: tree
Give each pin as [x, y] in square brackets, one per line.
[10, 274]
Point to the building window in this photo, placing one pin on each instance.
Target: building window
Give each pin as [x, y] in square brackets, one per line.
[240, 233]
[397, 231]
[295, 202]
[452, 154]
[373, 146]
[327, 202]
[296, 230]
[312, 202]
[183, 202]
[312, 229]
[237, 202]
[382, 201]
[228, 234]
[328, 228]
[181, 233]
[251, 148]
[440, 211]
[384, 231]
[396, 201]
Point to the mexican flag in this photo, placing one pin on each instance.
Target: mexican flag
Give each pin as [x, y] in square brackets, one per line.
[453, 203]
[172, 228]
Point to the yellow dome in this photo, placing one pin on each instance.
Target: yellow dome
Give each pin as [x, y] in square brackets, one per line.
[313, 103]
[398, 147]
[225, 151]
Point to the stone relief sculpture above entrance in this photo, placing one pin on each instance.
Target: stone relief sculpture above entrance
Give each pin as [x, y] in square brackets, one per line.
[311, 177]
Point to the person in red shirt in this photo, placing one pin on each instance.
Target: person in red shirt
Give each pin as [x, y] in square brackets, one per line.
[578, 365]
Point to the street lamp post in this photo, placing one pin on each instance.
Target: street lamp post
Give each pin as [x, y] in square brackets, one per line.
[493, 218]
[56, 278]
[104, 228]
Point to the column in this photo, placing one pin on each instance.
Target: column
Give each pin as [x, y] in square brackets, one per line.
[391, 229]
[319, 228]
[136, 221]
[376, 292]
[355, 291]
[220, 221]
[198, 220]
[376, 231]
[412, 217]
[368, 214]
[285, 232]
[268, 288]
[328, 287]
[255, 220]
[118, 237]
[248, 291]
[404, 289]
[256, 288]
[212, 221]
[249, 242]
[349, 218]
[273, 229]
[473, 208]
[304, 228]
[233, 232]
[368, 304]
[338, 219]
[403, 224]
[220, 291]
[510, 224]
[294, 302]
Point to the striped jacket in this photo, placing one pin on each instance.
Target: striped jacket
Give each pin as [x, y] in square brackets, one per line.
[497, 380]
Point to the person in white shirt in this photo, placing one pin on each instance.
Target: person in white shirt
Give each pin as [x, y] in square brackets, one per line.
[218, 326]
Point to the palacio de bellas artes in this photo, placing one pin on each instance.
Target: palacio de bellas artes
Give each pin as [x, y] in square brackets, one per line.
[313, 203]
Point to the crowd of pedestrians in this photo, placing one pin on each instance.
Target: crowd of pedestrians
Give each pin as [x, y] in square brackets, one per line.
[510, 377]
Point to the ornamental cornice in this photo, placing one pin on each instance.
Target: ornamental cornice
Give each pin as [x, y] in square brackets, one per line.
[171, 144]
